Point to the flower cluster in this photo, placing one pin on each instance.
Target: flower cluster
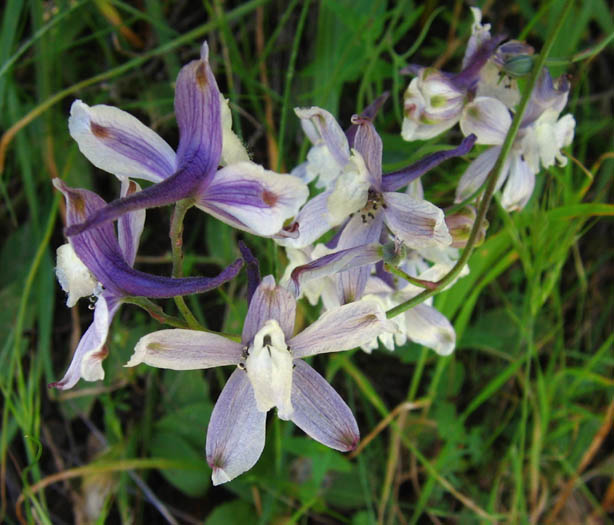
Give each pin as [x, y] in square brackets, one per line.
[384, 242]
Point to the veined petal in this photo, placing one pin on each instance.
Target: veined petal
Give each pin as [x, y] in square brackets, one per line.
[430, 328]
[369, 144]
[319, 410]
[253, 270]
[416, 223]
[397, 179]
[270, 301]
[333, 263]
[179, 349]
[99, 249]
[519, 186]
[90, 352]
[321, 127]
[312, 222]
[199, 117]
[343, 328]
[119, 143]
[235, 436]
[232, 148]
[247, 196]
[476, 173]
[350, 192]
[130, 225]
[488, 119]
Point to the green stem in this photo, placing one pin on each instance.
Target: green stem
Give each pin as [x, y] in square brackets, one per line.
[176, 235]
[492, 177]
[413, 280]
[156, 311]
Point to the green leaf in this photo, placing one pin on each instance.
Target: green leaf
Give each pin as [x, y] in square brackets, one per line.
[236, 511]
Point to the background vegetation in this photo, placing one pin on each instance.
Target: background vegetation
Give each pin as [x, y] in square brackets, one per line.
[514, 427]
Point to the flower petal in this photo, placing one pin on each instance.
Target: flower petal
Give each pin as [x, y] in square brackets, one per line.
[130, 225]
[270, 301]
[90, 352]
[430, 328]
[236, 432]
[333, 263]
[74, 277]
[99, 249]
[321, 127]
[519, 186]
[118, 143]
[252, 268]
[476, 173]
[232, 148]
[199, 117]
[312, 222]
[416, 223]
[179, 349]
[247, 196]
[319, 410]
[397, 179]
[488, 119]
[341, 329]
[368, 143]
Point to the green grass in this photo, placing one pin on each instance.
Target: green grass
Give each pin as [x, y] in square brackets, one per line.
[514, 427]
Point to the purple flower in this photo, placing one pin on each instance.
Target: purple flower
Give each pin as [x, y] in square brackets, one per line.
[99, 262]
[270, 373]
[241, 194]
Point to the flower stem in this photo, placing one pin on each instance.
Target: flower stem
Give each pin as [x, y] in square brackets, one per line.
[176, 235]
[413, 280]
[156, 311]
[493, 176]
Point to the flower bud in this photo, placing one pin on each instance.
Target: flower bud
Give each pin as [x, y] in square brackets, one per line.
[460, 225]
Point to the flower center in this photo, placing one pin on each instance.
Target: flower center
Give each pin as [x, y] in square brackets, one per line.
[269, 368]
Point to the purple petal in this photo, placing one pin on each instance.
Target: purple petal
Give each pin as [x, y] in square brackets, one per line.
[269, 301]
[185, 350]
[343, 328]
[118, 143]
[176, 187]
[397, 179]
[330, 264]
[369, 144]
[236, 432]
[469, 76]
[319, 410]
[91, 351]
[253, 270]
[247, 196]
[130, 225]
[547, 94]
[198, 111]
[369, 112]
[417, 223]
[99, 249]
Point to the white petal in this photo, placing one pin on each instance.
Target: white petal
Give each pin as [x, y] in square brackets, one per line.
[179, 349]
[476, 173]
[350, 192]
[74, 277]
[427, 326]
[119, 143]
[232, 148]
[488, 119]
[269, 369]
[520, 185]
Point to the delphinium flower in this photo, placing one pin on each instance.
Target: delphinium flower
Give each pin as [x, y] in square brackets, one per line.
[540, 138]
[98, 263]
[242, 194]
[270, 373]
[371, 210]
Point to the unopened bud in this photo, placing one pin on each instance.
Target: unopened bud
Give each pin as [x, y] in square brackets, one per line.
[518, 66]
[460, 225]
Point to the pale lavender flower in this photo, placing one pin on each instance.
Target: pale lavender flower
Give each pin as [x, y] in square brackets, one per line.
[98, 262]
[541, 136]
[242, 194]
[270, 373]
